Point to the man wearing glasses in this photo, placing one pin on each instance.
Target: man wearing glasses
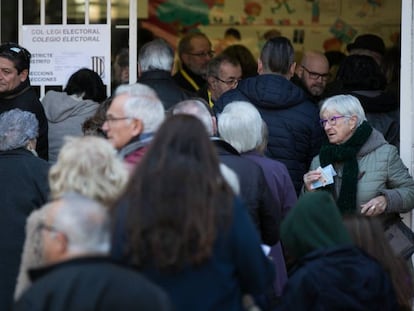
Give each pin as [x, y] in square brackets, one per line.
[134, 115]
[312, 75]
[223, 74]
[194, 52]
[16, 92]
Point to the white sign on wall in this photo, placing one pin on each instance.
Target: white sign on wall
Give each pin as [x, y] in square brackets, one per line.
[60, 50]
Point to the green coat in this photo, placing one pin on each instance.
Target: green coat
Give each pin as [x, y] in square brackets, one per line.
[381, 172]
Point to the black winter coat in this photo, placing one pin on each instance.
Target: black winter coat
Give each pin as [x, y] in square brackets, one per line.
[164, 85]
[91, 283]
[266, 212]
[181, 80]
[26, 99]
[24, 187]
[295, 135]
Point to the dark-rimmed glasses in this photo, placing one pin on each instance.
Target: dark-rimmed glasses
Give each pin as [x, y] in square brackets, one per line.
[331, 120]
[202, 54]
[316, 75]
[231, 82]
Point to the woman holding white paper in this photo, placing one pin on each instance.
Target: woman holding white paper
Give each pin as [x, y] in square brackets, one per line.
[371, 178]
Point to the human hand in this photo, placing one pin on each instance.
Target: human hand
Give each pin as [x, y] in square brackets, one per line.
[311, 177]
[374, 206]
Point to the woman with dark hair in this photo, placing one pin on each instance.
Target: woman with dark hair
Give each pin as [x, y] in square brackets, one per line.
[362, 77]
[179, 224]
[66, 111]
[246, 59]
[368, 234]
[87, 84]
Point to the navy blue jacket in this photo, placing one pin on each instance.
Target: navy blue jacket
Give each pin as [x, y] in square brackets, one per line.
[237, 266]
[338, 278]
[265, 209]
[295, 135]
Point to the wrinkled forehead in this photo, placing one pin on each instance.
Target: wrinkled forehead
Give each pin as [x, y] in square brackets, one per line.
[199, 43]
[7, 62]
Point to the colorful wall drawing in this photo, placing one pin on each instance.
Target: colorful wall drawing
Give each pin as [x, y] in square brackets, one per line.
[309, 23]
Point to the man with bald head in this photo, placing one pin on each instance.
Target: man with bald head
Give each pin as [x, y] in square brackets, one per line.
[312, 74]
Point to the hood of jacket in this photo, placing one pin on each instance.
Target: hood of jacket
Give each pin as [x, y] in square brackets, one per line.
[375, 140]
[315, 223]
[60, 106]
[271, 91]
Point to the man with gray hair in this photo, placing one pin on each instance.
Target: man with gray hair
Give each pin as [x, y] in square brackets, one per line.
[264, 209]
[133, 117]
[295, 135]
[223, 73]
[24, 188]
[155, 65]
[80, 276]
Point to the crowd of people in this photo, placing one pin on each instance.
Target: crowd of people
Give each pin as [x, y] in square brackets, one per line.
[224, 184]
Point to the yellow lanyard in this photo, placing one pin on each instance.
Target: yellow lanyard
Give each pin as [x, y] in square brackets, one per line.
[190, 80]
[210, 101]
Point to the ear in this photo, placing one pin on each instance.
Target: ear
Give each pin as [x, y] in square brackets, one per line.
[291, 70]
[23, 75]
[211, 82]
[259, 66]
[353, 122]
[61, 243]
[184, 58]
[137, 127]
[299, 71]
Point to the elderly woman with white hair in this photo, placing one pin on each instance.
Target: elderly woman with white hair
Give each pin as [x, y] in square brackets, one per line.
[370, 177]
[85, 165]
[24, 188]
[241, 125]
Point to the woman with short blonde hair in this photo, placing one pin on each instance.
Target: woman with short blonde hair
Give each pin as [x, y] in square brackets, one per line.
[89, 166]
[86, 165]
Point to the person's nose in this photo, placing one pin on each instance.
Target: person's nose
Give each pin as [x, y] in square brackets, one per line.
[327, 126]
[105, 126]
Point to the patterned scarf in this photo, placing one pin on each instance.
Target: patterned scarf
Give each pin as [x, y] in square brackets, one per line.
[346, 153]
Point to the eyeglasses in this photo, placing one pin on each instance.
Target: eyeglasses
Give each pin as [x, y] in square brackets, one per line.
[202, 54]
[315, 75]
[231, 82]
[331, 120]
[111, 119]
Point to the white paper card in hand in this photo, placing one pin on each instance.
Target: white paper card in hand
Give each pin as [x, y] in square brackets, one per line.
[327, 174]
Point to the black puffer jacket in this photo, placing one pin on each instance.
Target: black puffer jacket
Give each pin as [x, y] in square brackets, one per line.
[295, 135]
